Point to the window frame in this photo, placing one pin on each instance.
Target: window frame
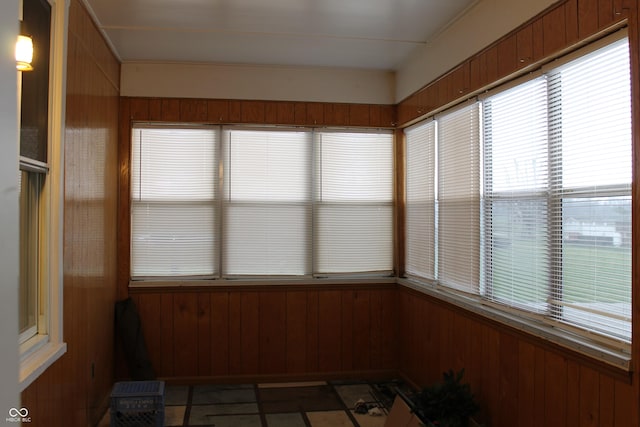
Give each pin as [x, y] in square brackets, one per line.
[43, 349]
[223, 204]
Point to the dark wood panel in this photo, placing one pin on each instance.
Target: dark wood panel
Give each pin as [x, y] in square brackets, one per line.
[589, 396]
[315, 113]
[313, 328]
[524, 46]
[139, 109]
[359, 115]
[168, 343]
[193, 110]
[362, 330]
[555, 389]
[606, 15]
[587, 18]
[348, 332]
[607, 399]
[336, 114]
[185, 330]
[508, 378]
[526, 405]
[235, 333]
[250, 333]
[571, 21]
[170, 110]
[507, 56]
[273, 332]
[218, 110]
[204, 334]
[271, 112]
[296, 333]
[573, 390]
[253, 112]
[329, 331]
[220, 341]
[554, 30]
[235, 111]
[300, 113]
[155, 109]
[147, 305]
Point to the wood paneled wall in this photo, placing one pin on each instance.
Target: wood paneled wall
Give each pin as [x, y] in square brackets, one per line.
[273, 332]
[518, 380]
[549, 33]
[74, 391]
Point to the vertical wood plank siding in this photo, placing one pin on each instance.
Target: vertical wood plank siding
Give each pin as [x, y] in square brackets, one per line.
[230, 334]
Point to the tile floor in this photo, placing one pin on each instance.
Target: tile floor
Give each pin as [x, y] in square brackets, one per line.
[308, 404]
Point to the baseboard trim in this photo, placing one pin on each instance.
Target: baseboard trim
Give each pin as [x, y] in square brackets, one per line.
[370, 375]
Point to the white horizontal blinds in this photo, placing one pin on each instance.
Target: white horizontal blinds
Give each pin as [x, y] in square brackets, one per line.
[353, 214]
[516, 256]
[173, 191]
[420, 199]
[459, 198]
[592, 189]
[267, 202]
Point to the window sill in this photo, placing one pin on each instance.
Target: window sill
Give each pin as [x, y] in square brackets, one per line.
[618, 359]
[33, 364]
[262, 281]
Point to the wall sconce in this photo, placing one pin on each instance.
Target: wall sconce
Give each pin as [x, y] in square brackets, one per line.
[24, 53]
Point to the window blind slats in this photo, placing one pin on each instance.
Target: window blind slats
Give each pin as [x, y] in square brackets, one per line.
[173, 215]
[353, 212]
[284, 205]
[459, 199]
[267, 202]
[420, 200]
[515, 199]
[554, 214]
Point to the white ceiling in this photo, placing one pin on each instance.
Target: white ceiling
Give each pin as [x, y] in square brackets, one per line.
[371, 34]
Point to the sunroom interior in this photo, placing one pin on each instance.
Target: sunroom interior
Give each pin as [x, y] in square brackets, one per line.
[471, 206]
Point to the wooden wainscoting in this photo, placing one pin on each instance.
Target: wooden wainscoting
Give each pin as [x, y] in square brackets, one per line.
[270, 332]
[518, 380]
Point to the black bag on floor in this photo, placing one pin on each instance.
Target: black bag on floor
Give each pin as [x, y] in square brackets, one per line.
[129, 329]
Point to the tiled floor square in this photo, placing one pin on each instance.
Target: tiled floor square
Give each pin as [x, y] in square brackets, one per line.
[299, 399]
[233, 421]
[210, 394]
[205, 414]
[366, 420]
[174, 415]
[285, 420]
[176, 395]
[329, 419]
[350, 394]
[299, 404]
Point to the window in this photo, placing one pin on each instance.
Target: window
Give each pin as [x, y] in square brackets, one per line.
[548, 230]
[267, 202]
[354, 202]
[421, 197]
[174, 193]
[41, 195]
[459, 198]
[291, 202]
